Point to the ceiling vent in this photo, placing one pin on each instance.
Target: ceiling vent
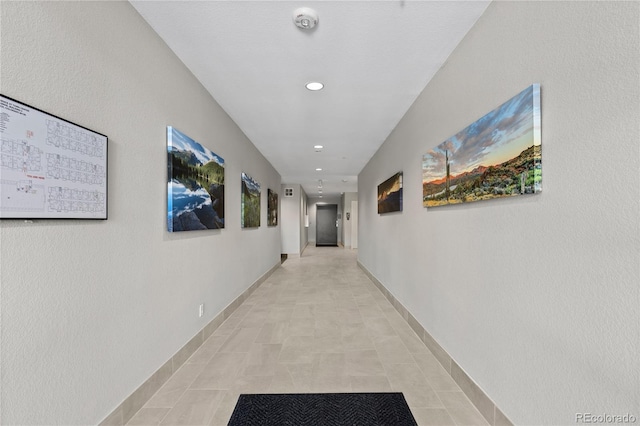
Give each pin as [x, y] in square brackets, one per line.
[305, 18]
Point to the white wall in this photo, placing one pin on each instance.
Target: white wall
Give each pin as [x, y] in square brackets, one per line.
[354, 225]
[312, 220]
[304, 229]
[294, 232]
[348, 197]
[90, 309]
[536, 298]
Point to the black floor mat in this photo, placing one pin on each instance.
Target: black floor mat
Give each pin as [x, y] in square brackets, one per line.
[325, 409]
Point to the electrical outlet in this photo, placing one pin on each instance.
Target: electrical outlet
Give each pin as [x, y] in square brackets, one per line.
[201, 310]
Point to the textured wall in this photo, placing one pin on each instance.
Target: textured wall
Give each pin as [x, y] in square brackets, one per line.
[90, 309]
[304, 230]
[290, 222]
[536, 297]
[348, 197]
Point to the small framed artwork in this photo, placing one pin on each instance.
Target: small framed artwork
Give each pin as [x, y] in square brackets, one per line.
[272, 208]
[390, 194]
[250, 203]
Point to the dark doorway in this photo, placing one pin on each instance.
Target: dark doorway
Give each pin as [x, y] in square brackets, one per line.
[327, 225]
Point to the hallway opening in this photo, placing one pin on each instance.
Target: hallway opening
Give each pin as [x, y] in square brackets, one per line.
[316, 325]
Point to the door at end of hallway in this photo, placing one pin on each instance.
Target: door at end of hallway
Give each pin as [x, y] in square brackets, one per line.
[327, 225]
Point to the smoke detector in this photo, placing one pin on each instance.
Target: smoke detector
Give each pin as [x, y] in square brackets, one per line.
[305, 18]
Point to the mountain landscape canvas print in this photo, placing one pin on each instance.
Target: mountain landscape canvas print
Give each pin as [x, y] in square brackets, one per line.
[390, 195]
[195, 199]
[272, 208]
[497, 156]
[250, 200]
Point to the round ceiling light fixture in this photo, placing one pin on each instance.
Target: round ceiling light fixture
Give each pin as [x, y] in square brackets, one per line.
[305, 18]
[318, 146]
[314, 86]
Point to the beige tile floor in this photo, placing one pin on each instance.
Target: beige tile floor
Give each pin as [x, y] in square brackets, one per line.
[318, 324]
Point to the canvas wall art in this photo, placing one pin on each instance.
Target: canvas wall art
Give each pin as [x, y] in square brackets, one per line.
[250, 203]
[272, 208]
[497, 156]
[195, 198]
[390, 195]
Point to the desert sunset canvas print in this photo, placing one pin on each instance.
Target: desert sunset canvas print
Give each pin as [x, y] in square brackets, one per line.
[497, 156]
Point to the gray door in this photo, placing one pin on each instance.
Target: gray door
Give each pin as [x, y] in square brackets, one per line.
[326, 225]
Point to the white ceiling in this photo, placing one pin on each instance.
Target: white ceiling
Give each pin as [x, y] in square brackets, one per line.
[374, 57]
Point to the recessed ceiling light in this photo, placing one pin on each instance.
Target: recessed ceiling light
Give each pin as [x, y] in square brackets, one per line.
[314, 86]
[318, 169]
[318, 146]
[320, 196]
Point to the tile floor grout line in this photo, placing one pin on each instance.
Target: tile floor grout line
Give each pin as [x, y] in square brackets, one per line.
[331, 300]
[172, 376]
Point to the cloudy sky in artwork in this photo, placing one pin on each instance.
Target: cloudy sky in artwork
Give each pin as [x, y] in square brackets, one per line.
[499, 136]
[252, 185]
[182, 142]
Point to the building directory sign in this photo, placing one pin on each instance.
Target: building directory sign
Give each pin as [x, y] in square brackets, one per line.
[50, 168]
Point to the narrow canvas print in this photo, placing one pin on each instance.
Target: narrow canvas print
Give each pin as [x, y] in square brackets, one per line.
[390, 194]
[497, 156]
[195, 199]
[272, 208]
[250, 200]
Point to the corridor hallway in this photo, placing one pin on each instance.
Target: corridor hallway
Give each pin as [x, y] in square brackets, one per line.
[317, 324]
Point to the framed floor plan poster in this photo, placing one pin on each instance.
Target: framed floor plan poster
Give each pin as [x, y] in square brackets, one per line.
[50, 168]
